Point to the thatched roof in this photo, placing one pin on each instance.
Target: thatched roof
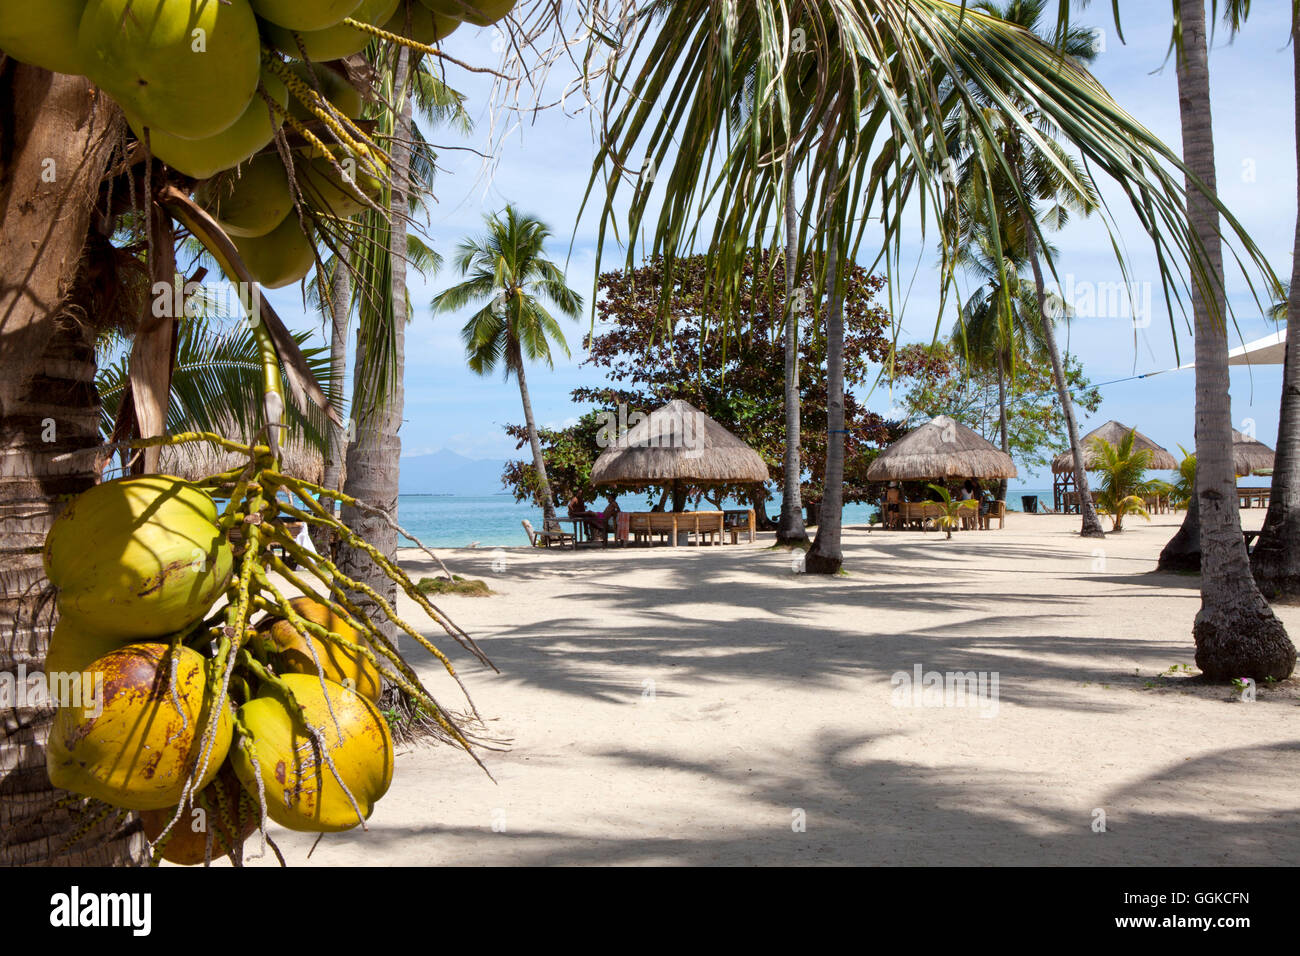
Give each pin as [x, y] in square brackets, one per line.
[942, 448]
[1250, 456]
[1113, 432]
[195, 460]
[678, 443]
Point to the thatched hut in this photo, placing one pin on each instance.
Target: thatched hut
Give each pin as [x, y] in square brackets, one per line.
[1112, 432]
[940, 450]
[677, 446]
[1249, 456]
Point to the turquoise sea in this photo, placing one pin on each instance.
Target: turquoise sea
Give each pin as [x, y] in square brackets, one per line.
[493, 521]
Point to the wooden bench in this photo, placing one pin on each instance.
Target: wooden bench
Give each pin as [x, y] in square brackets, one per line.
[643, 524]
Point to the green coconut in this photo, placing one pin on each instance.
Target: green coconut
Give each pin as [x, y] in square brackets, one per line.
[426, 26]
[43, 34]
[137, 739]
[204, 158]
[345, 97]
[481, 13]
[336, 42]
[138, 557]
[304, 14]
[335, 191]
[252, 202]
[301, 790]
[181, 66]
[280, 258]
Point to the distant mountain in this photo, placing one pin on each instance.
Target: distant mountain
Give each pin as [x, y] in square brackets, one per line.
[447, 473]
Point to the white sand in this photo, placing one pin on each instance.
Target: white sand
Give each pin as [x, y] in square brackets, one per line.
[682, 706]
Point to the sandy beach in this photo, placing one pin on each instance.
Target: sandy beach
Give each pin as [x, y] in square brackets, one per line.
[712, 706]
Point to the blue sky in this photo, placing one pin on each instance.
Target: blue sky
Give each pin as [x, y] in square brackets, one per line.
[543, 167]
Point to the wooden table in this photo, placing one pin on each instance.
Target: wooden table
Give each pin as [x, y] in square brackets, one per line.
[582, 530]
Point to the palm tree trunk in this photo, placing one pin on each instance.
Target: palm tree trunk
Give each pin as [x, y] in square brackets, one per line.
[372, 458]
[57, 146]
[539, 460]
[791, 530]
[1091, 527]
[1276, 558]
[826, 555]
[1237, 634]
[340, 298]
[1002, 425]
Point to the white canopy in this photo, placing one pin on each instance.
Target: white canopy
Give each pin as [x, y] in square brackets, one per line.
[1270, 350]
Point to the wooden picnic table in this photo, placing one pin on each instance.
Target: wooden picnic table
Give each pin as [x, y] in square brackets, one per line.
[582, 528]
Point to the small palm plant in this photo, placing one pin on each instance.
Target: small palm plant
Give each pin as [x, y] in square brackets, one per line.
[952, 510]
[1182, 490]
[1123, 479]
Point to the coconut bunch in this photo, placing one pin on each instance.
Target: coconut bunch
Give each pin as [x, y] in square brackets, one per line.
[224, 88]
[210, 701]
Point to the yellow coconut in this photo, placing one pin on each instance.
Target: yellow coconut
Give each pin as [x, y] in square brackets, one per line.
[187, 68]
[280, 258]
[301, 790]
[73, 647]
[132, 746]
[345, 97]
[288, 653]
[336, 42]
[253, 201]
[335, 191]
[43, 34]
[222, 808]
[481, 13]
[426, 26]
[138, 557]
[304, 14]
[204, 158]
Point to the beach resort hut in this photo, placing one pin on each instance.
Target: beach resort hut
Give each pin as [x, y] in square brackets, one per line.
[1112, 432]
[1249, 456]
[940, 450]
[678, 447]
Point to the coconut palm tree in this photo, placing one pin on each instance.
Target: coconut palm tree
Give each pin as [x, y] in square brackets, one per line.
[1275, 560]
[791, 530]
[507, 270]
[999, 326]
[1041, 176]
[1236, 633]
[826, 555]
